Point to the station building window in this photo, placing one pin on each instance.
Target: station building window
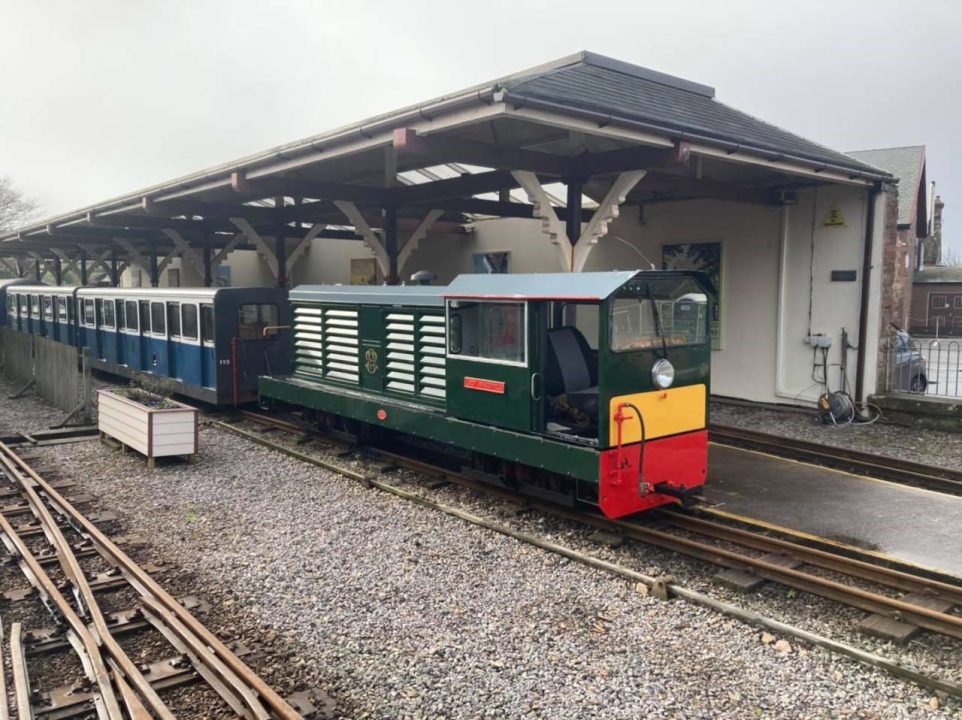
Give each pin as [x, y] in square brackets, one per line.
[938, 302]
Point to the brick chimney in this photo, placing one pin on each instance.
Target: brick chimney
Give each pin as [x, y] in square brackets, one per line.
[933, 243]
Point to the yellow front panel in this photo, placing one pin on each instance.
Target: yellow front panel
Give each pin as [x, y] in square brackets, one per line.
[666, 412]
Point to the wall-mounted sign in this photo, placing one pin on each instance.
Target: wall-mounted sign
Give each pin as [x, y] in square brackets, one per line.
[834, 217]
[844, 275]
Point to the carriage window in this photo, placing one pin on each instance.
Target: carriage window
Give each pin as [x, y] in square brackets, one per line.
[108, 313]
[130, 311]
[47, 307]
[173, 319]
[35, 306]
[488, 330]
[62, 309]
[253, 319]
[158, 323]
[665, 312]
[189, 325]
[207, 323]
[121, 318]
[70, 309]
[144, 316]
[89, 313]
[12, 306]
[23, 306]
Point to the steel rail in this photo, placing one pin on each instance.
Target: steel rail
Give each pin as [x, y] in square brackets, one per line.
[97, 674]
[100, 631]
[950, 625]
[21, 680]
[942, 479]
[893, 667]
[872, 572]
[149, 588]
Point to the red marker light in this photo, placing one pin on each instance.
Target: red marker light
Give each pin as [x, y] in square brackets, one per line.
[382, 414]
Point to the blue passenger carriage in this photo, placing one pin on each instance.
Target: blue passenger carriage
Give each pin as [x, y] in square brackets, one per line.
[211, 343]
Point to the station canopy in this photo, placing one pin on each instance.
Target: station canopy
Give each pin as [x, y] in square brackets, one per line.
[566, 142]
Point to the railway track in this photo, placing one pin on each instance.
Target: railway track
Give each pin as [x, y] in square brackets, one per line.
[56, 547]
[906, 472]
[898, 594]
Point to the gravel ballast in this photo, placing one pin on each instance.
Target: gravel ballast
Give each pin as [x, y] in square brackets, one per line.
[400, 611]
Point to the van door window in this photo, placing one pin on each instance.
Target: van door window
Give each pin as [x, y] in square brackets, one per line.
[254, 319]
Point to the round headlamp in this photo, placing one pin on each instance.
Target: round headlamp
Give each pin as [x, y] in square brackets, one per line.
[662, 373]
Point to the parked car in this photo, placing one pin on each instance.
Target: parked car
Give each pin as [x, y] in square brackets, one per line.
[909, 366]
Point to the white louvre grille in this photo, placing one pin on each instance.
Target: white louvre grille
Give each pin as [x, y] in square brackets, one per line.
[399, 337]
[308, 341]
[430, 356]
[325, 342]
[340, 344]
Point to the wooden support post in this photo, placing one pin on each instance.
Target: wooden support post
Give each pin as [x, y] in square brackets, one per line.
[205, 250]
[57, 270]
[114, 275]
[83, 267]
[154, 270]
[573, 221]
[280, 244]
[36, 269]
[390, 243]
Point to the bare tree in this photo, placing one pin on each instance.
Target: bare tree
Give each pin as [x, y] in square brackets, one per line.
[16, 209]
[951, 258]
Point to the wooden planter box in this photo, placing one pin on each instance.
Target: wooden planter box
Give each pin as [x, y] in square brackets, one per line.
[153, 432]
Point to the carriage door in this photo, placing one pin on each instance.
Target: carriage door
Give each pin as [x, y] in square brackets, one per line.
[174, 339]
[493, 373]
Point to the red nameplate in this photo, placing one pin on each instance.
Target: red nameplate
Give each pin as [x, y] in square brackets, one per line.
[491, 386]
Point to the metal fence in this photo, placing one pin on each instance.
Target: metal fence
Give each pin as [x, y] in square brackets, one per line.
[17, 357]
[59, 373]
[924, 366]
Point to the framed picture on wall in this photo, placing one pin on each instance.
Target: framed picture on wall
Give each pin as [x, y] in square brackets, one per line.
[706, 257]
[364, 271]
[222, 276]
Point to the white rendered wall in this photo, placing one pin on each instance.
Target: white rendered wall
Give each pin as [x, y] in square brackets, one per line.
[761, 357]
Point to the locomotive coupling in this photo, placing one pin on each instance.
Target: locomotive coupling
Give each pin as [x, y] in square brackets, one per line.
[688, 496]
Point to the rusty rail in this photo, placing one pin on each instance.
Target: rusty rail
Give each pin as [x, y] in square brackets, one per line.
[247, 694]
[950, 625]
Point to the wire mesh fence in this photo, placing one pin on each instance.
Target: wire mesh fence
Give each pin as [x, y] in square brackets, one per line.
[923, 366]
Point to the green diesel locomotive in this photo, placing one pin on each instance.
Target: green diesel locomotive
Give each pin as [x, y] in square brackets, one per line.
[585, 387]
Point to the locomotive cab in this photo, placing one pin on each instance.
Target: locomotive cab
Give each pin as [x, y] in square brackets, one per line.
[613, 361]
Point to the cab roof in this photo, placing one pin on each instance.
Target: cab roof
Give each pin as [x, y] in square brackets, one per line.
[581, 286]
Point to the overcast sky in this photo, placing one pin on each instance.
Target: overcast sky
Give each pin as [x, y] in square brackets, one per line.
[102, 98]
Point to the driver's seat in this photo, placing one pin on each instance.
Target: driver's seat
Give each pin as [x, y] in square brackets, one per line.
[572, 369]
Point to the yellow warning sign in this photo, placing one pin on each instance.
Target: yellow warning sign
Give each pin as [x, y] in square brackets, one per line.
[834, 217]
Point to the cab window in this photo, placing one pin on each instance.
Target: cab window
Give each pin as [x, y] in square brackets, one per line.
[253, 318]
[207, 323]
[492, 331]
[663, 312]
[189, 321]
[144, 316]
[108, 313]
[131, 312]
[173, 319]
[158, 323]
